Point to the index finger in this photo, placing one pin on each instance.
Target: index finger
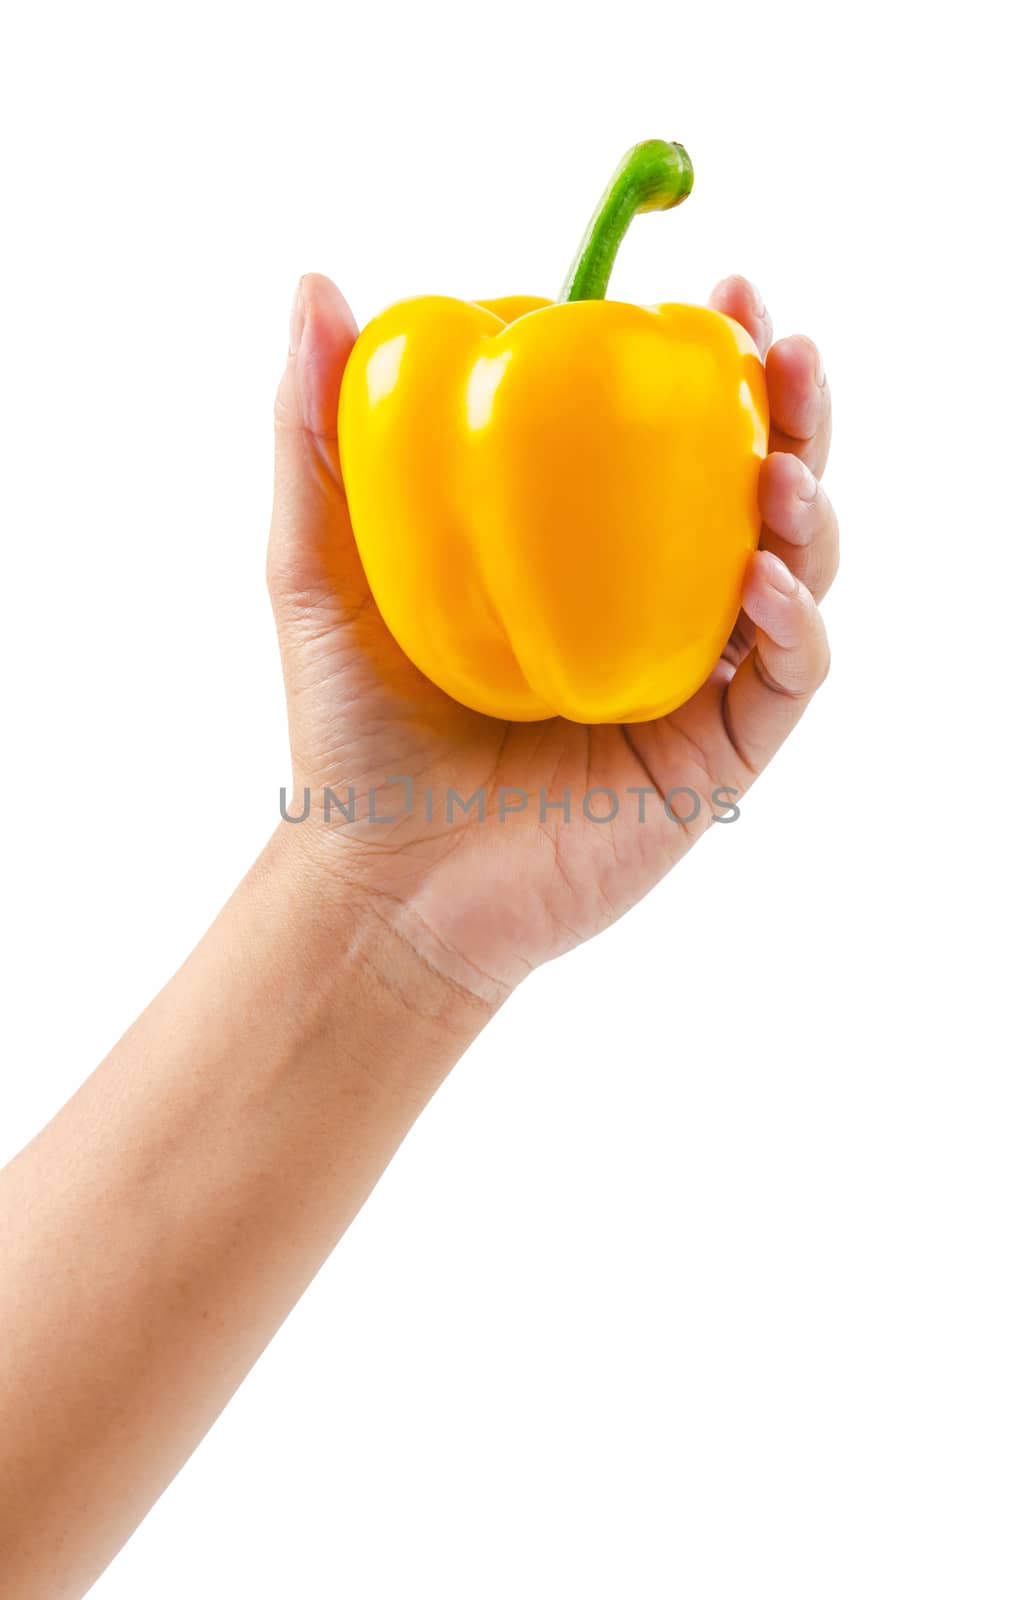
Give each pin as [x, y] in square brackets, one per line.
[739, 299]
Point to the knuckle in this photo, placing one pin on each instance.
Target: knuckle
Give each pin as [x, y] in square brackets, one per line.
[825, 562]
[822, 665]
[783, 676]
[829, 541]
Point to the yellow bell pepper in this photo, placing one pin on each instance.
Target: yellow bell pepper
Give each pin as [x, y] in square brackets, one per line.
[555, 502]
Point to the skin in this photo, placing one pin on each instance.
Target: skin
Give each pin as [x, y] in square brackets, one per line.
[359, 711]
[156, 1233]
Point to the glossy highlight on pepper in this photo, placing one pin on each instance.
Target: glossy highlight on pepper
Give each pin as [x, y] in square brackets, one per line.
[555, 502]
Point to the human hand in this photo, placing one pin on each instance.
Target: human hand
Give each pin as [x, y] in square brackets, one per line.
[484, 898]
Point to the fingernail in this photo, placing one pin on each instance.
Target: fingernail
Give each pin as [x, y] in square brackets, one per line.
[820, 371]
[780, 577]
[297, 321]
[758, 305]
[808, 483]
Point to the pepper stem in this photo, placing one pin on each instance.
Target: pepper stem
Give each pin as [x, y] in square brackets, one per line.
[652, 176]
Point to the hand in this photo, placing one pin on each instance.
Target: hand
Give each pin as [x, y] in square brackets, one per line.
[482, 902]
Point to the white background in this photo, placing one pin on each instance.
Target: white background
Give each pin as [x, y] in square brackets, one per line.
[693, 1281]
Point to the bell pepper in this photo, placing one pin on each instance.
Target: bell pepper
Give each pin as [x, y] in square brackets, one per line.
[555, 502]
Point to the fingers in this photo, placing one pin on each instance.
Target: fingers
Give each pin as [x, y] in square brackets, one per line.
[789, 660]
[800, 408]
[780, 628]
[311, 552]
[799, 524]
[739, 299]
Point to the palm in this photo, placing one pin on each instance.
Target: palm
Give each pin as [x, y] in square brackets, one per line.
[363, 716]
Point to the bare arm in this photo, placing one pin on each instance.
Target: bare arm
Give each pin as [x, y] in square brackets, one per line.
[153, 1237]
[159, 1230]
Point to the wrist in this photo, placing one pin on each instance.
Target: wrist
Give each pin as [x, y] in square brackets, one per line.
[361, 953]
[431, 898]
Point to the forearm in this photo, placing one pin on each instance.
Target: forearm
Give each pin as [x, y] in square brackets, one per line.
[158, 1231]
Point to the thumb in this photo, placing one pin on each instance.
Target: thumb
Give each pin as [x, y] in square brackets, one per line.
[311, 554]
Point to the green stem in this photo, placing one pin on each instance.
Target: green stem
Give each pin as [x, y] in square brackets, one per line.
[652, 176]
